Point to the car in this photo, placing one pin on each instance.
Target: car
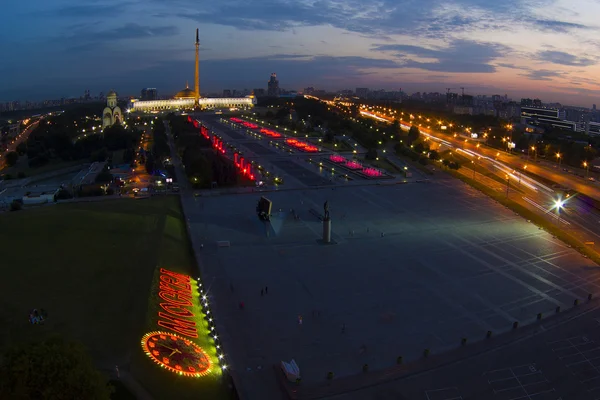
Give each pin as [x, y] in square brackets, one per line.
[591, 178]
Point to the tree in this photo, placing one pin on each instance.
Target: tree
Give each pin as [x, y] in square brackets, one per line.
[413, 134]
[371, 154]
[104, 177]
[419, 147]
[11, 158]
[434, 155]
[99, 155]
[15, 205]
[150, 164]
[51, 369]
[22, 148]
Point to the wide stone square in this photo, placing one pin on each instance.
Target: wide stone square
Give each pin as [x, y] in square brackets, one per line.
[415, 266]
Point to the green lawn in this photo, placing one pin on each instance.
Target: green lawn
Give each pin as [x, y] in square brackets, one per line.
[93, 267]
[341, 146]
[385, 165]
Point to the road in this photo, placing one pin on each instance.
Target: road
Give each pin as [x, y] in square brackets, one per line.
[543, 169]
[21, 137]
[574, 216]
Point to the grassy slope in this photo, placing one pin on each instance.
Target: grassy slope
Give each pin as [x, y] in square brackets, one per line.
[92, 267]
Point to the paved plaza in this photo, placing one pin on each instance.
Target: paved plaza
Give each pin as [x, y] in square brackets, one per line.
[414, 266]
[294, 167]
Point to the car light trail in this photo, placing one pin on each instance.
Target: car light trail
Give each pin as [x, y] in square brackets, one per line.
[541, 208]
[523, 179]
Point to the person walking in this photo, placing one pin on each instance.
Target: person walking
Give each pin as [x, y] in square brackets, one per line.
[266, 290]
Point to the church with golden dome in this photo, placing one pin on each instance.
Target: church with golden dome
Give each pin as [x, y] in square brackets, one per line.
[188, 99]
[112, 112]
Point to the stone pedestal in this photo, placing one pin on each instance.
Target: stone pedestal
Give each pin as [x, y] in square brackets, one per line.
[327, 230]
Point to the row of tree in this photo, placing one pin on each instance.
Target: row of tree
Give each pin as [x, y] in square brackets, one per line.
[203, 165]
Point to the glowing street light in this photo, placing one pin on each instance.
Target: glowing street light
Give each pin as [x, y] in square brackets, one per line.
[559, 204]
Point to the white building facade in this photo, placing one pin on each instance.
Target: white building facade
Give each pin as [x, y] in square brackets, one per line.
[183, 104]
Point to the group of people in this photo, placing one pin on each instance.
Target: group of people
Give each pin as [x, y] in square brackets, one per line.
[37, 317]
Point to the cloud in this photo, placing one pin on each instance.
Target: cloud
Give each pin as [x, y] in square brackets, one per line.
[83, 39]
[431, 18]
[459, 56]
[542, 75]
[511, 66]
[557, 26]
[562, 58]
[88, 10]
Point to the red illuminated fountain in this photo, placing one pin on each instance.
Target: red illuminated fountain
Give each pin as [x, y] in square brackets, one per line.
[372, 172]
[270, 133]
[356, 166]
[302, 145]
[353, 165]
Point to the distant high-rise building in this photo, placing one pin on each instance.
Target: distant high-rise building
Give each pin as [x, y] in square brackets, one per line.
[594, 107]
[309, 90]
[149, 94]
[260, 92]
[273, 86]
[226, 93]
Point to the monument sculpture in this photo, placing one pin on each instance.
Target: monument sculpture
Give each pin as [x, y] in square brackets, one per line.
[326, 224]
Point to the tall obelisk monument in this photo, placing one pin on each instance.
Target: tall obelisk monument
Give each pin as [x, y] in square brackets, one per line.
[197, 76]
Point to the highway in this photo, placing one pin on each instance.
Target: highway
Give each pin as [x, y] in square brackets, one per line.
[516, 162]
[21, 137]
[572, 216]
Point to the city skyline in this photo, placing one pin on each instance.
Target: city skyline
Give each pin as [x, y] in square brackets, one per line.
[129, 45]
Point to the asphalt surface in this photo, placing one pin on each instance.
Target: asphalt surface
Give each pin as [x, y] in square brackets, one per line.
[550, 363]
[415, 267]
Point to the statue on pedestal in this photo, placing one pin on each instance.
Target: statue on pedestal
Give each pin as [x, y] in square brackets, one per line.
[326, 210]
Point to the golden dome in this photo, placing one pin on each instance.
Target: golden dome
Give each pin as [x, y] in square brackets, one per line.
[186, 93]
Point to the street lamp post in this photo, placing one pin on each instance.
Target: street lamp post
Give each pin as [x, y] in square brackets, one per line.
[507, 185]
[558, 159]
[587, 169]
[509, 127]
[534, 153]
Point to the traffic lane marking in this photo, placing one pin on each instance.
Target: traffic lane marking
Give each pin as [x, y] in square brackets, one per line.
[443, 394]
[520, 382]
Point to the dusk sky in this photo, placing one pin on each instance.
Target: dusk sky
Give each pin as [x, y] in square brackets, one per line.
[534, 48]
